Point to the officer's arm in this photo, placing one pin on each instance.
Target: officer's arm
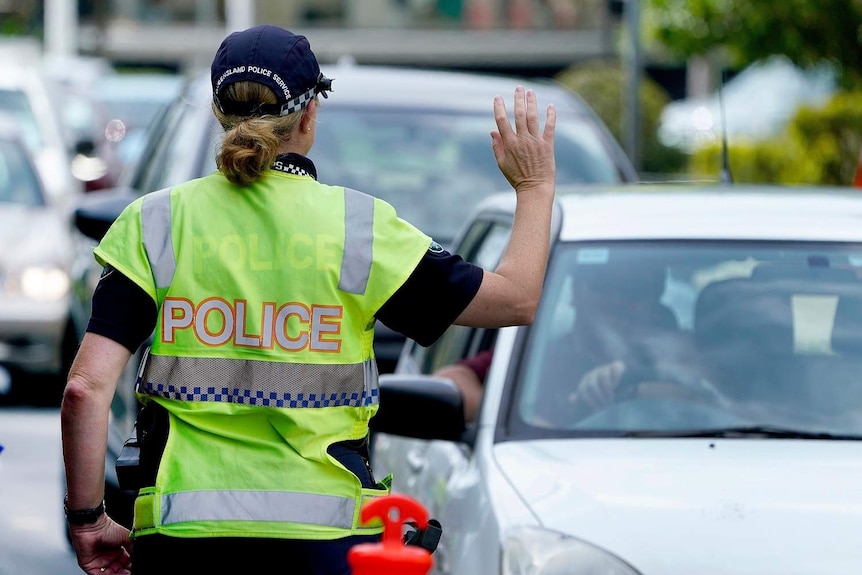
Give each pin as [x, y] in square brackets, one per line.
[84, 417]
[510, 294]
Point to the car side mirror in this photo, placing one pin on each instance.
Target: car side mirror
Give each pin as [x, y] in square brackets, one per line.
[419, 406]
[97, 210]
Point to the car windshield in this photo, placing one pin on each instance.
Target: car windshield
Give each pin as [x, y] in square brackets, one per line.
[434, 167]
[18, 184]
[14, 104]
[136, 99]
[698, 339]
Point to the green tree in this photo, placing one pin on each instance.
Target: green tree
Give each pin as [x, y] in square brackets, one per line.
[806, 31]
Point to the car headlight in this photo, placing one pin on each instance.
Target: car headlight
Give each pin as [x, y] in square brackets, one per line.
[534, 551]
[40, 283]
[88, 169]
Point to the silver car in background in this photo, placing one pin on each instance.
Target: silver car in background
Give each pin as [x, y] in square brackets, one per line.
[36, 249]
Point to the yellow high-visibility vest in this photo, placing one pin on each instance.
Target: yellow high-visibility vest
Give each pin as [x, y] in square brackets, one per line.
[263, 349]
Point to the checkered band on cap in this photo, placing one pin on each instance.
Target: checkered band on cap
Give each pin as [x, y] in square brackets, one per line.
[298, 103]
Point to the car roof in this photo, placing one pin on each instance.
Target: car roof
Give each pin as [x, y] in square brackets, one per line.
[702, 211]
[138, 85]
[444, 89]
[412, 88]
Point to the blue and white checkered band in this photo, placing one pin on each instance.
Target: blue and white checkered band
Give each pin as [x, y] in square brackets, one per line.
[261, 383]
[298, 103]
[290, 168]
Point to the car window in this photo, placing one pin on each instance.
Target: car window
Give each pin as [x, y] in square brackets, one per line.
[16, 105]
[181, 150]
[18, 182]
[483, 245]
[710, 335]
[488, 253]
[581, 153]
[434, 167]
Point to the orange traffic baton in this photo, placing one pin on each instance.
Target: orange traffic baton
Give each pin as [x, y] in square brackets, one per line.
[391, 556]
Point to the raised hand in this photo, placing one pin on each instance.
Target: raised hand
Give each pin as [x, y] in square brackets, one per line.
[524, 154]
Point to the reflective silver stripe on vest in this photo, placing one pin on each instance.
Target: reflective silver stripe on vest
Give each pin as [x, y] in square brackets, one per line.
[358, 234]
[156, 228]
[261, 383]
[258, 506]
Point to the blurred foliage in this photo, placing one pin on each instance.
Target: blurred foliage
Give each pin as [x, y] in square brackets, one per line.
[20, 18]
[820, 146]
[837, 127]
[807, 31]
[14, 25]
[601, 83]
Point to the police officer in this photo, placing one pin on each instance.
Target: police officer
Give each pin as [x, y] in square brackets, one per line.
[263, 286]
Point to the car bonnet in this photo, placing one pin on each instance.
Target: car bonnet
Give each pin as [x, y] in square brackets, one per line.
[698, 505]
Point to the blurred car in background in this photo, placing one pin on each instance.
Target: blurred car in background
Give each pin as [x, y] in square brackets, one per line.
[419, 139]
[132, 101]
[758, 104]
[106, 114]
[36, 337]
[94, 161]
[26, 97]
[729, 442]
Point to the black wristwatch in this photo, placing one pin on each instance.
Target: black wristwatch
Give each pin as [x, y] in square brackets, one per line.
[82, 516]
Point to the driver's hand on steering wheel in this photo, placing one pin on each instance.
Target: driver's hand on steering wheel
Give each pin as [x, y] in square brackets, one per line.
[597, 387]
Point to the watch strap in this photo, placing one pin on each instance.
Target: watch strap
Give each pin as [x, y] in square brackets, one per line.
[83, 516]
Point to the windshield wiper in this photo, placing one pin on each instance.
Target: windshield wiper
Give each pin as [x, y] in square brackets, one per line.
[747, 431]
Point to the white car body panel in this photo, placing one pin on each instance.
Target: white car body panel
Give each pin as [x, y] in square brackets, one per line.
[714, 212]
[707, 506]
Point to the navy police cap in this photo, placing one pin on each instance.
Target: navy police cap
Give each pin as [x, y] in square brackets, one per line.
[272, 56]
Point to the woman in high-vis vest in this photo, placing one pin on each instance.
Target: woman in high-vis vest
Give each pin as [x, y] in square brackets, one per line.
[261, 287]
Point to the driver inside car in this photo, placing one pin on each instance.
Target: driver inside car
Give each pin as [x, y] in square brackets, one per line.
[624, 343]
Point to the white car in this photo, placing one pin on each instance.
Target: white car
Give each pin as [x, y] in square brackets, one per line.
[36, 337]
[730, 443]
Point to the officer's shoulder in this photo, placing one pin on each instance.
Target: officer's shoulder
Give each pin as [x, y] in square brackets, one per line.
[436, 250]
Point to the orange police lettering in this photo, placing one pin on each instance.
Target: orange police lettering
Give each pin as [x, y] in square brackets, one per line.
[292, 326]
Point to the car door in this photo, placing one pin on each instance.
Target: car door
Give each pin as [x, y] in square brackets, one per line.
[427, 470]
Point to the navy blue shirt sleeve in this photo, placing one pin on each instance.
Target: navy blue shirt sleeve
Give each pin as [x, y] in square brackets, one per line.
[122, 311]
[436, 293]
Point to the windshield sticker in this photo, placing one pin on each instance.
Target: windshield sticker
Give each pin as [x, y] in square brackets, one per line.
[592, 256]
